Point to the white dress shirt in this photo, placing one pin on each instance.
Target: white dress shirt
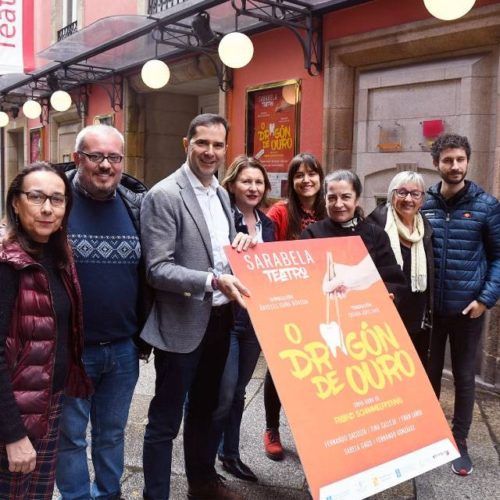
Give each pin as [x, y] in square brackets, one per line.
[218, 227]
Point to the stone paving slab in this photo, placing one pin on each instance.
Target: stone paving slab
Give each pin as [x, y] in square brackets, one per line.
[285, 480]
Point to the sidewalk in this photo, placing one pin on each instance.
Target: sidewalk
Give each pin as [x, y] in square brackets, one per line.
[285, 480]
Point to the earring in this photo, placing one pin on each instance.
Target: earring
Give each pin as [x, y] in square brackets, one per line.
[17, 220]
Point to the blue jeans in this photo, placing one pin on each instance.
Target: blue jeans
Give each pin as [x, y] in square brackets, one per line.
[113, 369]
[197, 375]
[464, 334]
[243, 355]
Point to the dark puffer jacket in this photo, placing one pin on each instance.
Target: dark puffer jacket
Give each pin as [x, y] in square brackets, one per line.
[466, 240]
[30, 346]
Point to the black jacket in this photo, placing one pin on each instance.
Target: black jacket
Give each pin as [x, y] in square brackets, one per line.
[242, 321]
[379, 217]
[376, 242]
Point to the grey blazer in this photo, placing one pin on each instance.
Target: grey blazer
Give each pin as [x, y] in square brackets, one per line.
[178, 255]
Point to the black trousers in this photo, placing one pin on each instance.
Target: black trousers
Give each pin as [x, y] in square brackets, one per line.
[195, 375]
[464, 334]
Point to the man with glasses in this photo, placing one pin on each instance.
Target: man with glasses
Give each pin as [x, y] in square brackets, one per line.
[466, 240]
[185, 222]
[104, 231]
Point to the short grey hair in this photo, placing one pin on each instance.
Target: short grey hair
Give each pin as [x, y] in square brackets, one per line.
[403, 178]
[96, 129]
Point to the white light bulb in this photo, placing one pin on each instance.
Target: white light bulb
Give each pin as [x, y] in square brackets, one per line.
[235, 50]
[155, 74]
[4, 119]
[448, 10]
[32, 109]
[60, 100]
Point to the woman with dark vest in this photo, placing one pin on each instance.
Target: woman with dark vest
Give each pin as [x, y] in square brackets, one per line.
[40, 331]
[248, 184]
[304, 205]
[411, 241]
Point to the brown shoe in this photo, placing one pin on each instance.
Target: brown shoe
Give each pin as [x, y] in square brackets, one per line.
[212, 489]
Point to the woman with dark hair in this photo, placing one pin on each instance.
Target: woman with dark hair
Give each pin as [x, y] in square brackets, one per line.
[305, 204]
[345, 218]
[248, 184]
[40, 330]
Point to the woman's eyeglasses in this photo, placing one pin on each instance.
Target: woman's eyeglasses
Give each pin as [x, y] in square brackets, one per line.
[403, 193]
[39, 198]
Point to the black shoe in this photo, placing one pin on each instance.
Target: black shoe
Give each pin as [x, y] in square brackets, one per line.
[462, 466]
[237, 468]
[212, 489]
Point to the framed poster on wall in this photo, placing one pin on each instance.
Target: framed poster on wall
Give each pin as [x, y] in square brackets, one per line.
[272, 129]
[36, 144]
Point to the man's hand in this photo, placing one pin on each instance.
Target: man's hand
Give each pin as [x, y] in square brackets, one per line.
[475, 309]
[21, 456]
[233, 289]
[243, 242]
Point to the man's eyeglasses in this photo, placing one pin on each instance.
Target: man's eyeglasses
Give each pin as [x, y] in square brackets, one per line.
[205, 145]
[403, 193]
[100, 157]
[39, 198]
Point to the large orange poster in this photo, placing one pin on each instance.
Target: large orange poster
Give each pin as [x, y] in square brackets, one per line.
[361, 409]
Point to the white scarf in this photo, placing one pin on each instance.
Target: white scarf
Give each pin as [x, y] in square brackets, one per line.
[395, 228]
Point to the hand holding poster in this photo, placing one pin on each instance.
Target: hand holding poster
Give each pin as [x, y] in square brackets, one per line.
[360, 406]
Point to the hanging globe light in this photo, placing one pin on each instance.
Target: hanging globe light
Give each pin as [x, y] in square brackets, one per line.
[155, 74]
[4, 119]
[448, 10]
[289, 93]
[235, 50]
[32, 109]
[60, 100]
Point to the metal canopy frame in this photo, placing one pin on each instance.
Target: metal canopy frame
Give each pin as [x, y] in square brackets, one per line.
[301, 17]
[294, 15]
[182, 36]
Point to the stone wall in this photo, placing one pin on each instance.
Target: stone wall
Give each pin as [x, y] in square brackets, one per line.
[396, 78]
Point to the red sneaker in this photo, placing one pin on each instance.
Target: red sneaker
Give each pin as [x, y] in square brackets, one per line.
[272, 444]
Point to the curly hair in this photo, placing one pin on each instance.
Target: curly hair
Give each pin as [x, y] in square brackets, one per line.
[449, 141]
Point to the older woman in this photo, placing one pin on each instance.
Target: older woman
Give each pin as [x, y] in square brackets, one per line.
[342, 193]
[40, 331]
[410, 236]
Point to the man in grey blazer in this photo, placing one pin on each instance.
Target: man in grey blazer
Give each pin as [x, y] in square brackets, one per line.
[185, 222]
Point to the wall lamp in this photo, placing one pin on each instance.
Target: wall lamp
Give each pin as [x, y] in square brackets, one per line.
[448, 10]
[235, 49]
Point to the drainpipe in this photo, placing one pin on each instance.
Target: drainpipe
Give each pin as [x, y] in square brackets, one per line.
[3, 173]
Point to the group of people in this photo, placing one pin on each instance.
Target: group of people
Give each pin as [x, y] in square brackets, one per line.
[96, 272]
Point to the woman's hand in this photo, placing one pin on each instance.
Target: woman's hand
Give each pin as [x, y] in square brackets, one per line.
[21, 456]
[243, 242]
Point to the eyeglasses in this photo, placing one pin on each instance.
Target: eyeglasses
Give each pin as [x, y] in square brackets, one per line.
[39, 198]
[100, 157]
[403, 193]
[205, 145]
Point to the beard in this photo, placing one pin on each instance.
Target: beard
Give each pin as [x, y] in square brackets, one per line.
[453, 179]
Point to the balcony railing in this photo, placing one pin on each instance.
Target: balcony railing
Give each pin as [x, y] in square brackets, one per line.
[155, 6]
[67, 31]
